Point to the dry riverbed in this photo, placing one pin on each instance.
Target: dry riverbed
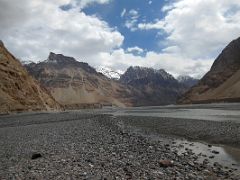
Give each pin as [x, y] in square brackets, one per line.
[79, 145]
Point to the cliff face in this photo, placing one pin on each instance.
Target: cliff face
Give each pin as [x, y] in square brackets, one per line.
[76, 84]
[157, 87]
[18, 90]
[221, 83]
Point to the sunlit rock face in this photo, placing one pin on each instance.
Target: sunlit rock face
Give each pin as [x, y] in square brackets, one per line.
[75, 84]
[18, 90]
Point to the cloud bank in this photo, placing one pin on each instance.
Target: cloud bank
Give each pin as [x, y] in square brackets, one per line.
[195, 33]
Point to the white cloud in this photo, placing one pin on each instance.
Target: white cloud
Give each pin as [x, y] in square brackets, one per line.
[147, 26]
[44, 27]
[174, 64]
[135, 49]
[133, 13]
[167, 7]
[123, 12]
[196, 30]
[132, 20]
[200, 28]
[84, 3]
[149, 2]
[131, 24]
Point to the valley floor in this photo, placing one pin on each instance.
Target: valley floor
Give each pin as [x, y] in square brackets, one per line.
[110, 144]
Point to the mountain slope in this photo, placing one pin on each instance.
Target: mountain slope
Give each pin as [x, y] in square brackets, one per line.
[221, 83]
[18, 90]
[157, 87]
[76, 84]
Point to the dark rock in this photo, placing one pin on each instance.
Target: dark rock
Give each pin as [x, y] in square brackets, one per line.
[36, 156]
[215, 152]
[166, 163]
[211, 157]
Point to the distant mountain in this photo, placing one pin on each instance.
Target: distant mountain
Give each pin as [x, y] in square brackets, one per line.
[222, 82]
[136, 73]
[187, 80]
[76, 84]
[109, 73]
[23, 62]
[18, 90]
[156, 86]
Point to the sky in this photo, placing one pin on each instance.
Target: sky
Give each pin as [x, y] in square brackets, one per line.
[183, 37]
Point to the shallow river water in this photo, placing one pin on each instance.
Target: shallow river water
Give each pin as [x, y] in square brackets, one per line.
[228, 156]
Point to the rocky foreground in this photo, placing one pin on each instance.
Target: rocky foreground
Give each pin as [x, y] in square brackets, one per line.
[74, 145]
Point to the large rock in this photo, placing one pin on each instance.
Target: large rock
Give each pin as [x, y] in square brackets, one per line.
[222, 82]
[18, 90]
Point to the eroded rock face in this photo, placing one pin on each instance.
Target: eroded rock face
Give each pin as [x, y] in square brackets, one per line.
[76, 84]
[18, 90]
[222, 82]
[157, 87]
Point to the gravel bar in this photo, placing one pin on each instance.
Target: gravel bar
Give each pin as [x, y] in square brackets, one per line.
[73, 145]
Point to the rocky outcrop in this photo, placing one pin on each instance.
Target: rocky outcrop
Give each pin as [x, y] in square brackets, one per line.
[18, 90]
[76, 84]
[156, 87]
[222, 82]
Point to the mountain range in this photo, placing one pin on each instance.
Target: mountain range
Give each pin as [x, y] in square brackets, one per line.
[75, 84]
[64, 82]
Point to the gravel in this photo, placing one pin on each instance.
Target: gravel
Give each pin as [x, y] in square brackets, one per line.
[216, 132]
[74, 145]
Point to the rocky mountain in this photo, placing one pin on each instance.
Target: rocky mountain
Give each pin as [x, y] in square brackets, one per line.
[18, 90]
[76, 84]
[222, 82]
[111, 74]
[157, 87]
[188, 81]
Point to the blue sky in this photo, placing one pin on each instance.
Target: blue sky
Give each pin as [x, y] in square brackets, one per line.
[183, 37]
[147, 11]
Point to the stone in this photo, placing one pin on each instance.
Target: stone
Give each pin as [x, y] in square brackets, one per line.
[36, 156]
[166, 163]
[215, 152]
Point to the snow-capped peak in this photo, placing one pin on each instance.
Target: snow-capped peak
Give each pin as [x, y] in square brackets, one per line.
[183, 78]
[109, 72]
[25, 62]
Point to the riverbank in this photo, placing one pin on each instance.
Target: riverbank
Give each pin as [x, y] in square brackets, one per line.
[214, 132]
[94, 146]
